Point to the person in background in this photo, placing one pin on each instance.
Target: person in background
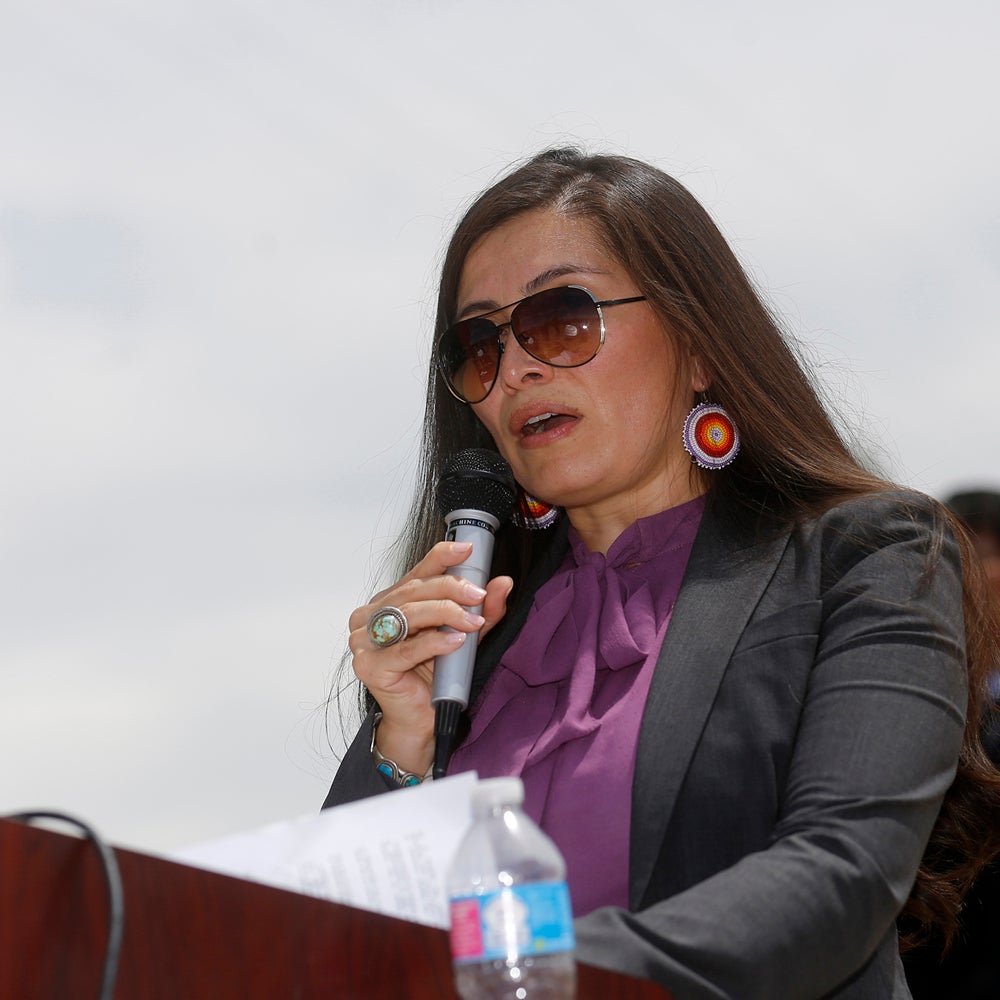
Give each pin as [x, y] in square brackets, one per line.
[979, 512]
[970, 969]
[733, 668]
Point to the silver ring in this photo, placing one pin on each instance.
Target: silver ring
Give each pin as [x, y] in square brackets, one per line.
[387, 626]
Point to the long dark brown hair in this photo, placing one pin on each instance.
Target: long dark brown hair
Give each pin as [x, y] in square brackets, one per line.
[793, 465]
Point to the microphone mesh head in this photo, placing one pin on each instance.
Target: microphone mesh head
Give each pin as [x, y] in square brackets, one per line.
[477, 479]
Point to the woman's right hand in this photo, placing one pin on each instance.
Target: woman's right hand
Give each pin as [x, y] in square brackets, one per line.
[400, 676]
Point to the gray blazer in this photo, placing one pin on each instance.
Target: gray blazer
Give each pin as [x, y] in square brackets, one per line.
[801, 729]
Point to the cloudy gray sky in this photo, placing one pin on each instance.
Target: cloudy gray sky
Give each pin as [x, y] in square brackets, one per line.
[220, 223]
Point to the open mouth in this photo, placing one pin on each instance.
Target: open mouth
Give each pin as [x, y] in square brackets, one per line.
[544, 422]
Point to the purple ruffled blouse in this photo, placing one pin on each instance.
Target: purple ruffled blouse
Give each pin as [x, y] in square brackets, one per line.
[562, 708]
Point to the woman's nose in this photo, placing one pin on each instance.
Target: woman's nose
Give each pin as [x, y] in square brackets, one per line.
[517, 367]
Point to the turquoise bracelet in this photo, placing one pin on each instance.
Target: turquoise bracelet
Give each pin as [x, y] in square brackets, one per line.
[405, 779]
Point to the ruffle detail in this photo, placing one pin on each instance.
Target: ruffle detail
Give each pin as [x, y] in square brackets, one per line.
[597, 617]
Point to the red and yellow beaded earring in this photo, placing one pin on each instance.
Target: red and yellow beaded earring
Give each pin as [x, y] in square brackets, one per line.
[710, 436]
[535, 514]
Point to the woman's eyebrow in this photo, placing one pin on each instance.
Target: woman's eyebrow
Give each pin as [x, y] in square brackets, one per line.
[559, 271]
[483, 307]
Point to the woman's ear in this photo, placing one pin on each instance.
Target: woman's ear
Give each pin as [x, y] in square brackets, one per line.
[700, 380]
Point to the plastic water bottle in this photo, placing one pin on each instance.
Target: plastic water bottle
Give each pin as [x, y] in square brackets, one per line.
[511, 921]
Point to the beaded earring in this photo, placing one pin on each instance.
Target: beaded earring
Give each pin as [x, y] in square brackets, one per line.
[535, 514]
[710, 436]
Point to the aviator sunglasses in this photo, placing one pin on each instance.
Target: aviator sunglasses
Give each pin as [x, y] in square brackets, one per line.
[564, 327]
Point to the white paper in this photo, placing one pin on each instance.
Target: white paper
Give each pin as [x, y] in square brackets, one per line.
[389, 853]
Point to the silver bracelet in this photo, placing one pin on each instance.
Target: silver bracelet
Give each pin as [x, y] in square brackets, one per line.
[405, 779]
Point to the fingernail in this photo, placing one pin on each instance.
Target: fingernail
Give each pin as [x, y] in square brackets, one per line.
[454, 638]
[476, 621]
[457, 547]
[476, 593]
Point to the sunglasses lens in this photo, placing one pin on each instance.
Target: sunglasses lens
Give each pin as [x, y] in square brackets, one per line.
[560, 326]
[467, 357]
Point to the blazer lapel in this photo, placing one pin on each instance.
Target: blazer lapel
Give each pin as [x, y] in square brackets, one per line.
[723, 582]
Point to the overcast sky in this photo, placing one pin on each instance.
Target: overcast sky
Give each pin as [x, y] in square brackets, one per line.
[220, 225]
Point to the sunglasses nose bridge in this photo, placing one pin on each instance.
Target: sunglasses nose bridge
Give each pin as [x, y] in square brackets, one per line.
[504, 332]
[510, 329]
[516, 365]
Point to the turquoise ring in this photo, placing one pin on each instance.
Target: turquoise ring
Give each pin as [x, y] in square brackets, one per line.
[387, 626]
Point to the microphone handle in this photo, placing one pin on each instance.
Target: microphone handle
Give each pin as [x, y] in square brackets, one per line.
[453, 671]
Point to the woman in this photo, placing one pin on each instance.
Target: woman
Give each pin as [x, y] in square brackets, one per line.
[735, 688]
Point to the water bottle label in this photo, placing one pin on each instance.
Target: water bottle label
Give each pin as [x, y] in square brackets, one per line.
[531, 919]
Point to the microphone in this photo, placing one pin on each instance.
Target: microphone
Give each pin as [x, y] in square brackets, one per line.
[475, 496]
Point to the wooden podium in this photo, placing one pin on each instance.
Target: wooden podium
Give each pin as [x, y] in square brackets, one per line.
[194, 935]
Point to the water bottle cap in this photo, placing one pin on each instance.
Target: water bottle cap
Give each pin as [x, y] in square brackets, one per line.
[498, 792]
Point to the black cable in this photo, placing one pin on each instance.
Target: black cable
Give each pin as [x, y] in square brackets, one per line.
[112, 877]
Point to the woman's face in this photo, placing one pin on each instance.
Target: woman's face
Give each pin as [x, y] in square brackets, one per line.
[611, 448]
